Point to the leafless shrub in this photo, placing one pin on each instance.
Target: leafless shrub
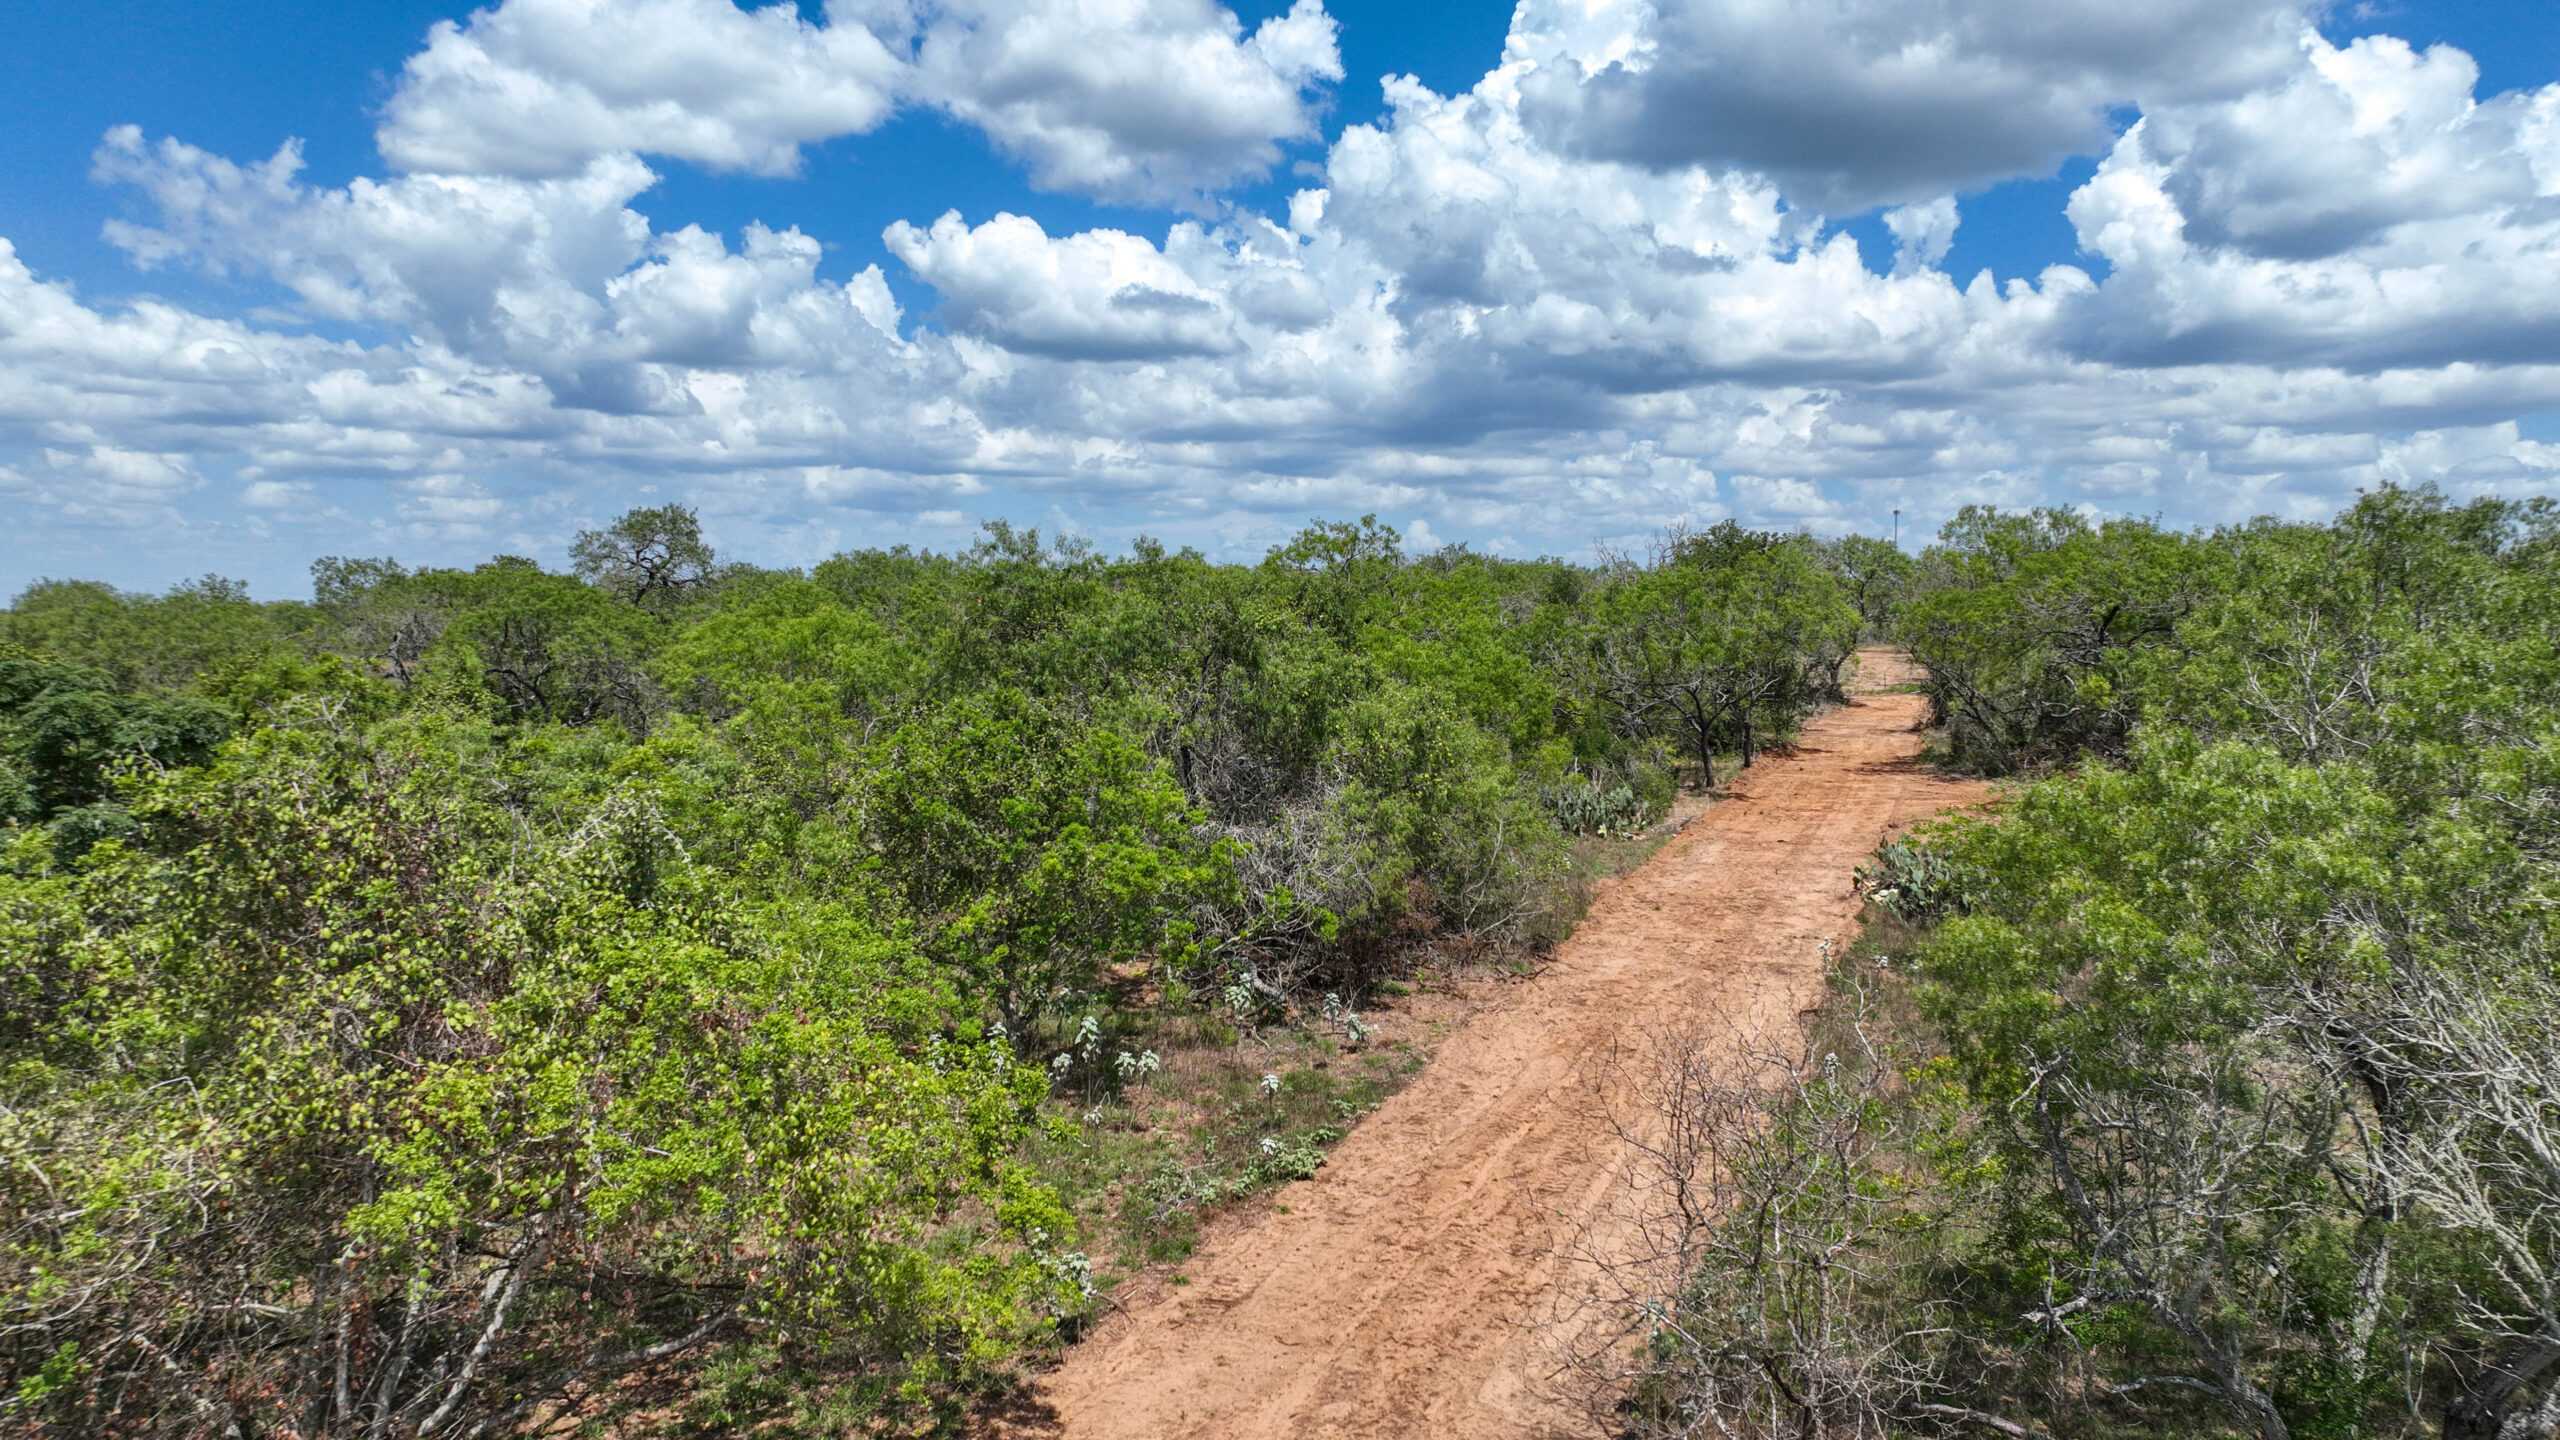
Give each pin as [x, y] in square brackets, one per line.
[1323, 899]
[1295, 873]
[1751, 1276]
[2469, 1060]
[2189, 1174]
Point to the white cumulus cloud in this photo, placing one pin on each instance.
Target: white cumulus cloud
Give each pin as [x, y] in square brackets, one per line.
[2367, 212]
[557, 277]
[1100, 295]
[540, 87]
[103, 483]
[1136, 101]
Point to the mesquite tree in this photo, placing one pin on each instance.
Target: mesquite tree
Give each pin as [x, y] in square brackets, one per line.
[1724, 639]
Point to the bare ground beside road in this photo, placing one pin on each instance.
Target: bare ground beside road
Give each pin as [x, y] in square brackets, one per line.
[1398, 1293]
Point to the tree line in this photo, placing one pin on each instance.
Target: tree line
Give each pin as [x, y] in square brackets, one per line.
[468, 986]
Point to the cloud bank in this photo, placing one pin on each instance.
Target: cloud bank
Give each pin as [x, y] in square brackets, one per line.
[1592, 294]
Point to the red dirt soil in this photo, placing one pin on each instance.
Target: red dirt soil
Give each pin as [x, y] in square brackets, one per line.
[1398, 1294]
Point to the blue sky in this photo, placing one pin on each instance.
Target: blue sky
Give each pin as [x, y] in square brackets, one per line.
[240, 78]
[1562, 292]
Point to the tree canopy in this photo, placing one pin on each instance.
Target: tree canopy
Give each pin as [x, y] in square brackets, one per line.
[472, 985]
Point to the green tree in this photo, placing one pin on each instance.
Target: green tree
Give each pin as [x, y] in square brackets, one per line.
[1033, 850]
[367, 613]
[145, 642]
[65, 731]
[2031, 625]
[1876, 576]
[545, 646]
[368, 1100]
[652, 557]
[1726, 638]
[796, 635]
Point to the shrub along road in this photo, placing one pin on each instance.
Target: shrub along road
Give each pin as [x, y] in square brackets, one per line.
[1400, 1293]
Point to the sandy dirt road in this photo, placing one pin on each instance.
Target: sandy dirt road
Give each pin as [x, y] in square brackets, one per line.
[1397, 1294]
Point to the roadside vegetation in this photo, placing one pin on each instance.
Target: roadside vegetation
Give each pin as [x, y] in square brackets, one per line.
[2211, 1085]
[684, 997]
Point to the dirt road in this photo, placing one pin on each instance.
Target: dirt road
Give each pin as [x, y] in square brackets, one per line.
[1394, 1295]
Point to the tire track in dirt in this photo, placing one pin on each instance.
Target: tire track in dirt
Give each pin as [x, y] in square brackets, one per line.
[1397, 1295]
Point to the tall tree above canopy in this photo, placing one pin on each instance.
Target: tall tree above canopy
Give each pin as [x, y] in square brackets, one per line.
[650, 557]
